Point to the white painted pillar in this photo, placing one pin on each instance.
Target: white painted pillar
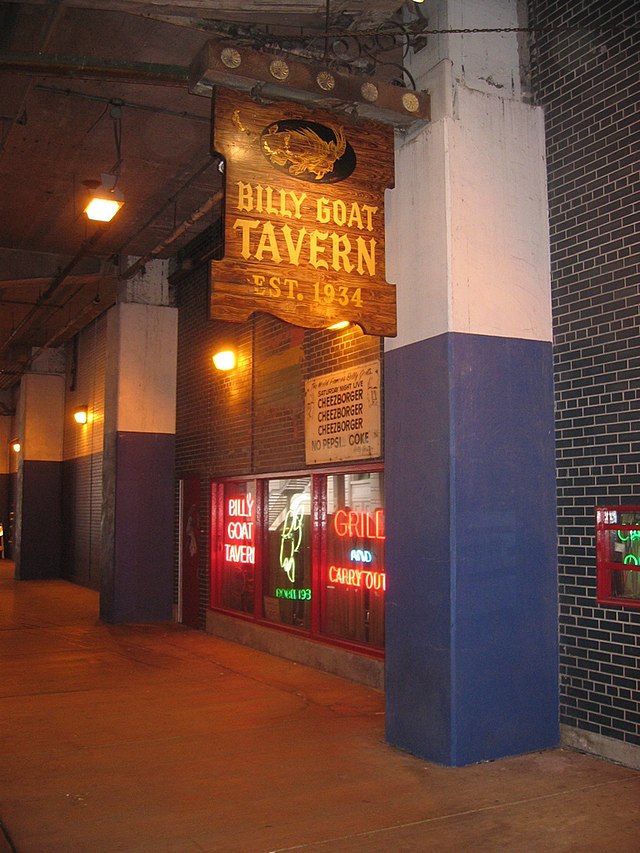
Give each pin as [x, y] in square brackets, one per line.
[471, 655]
[140, 412]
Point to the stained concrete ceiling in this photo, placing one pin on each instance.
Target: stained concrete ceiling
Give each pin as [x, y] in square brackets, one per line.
[102, 86]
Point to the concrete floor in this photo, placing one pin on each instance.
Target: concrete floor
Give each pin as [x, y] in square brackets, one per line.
[158, 738]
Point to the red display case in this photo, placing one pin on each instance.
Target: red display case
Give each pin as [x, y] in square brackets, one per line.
[618, 555]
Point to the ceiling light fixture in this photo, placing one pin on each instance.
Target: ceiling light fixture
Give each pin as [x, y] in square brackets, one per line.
[106, 200]
[15, 445]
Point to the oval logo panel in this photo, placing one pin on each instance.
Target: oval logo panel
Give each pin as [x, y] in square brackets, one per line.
[308, 151]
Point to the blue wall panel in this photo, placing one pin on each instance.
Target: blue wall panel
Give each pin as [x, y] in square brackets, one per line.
[469, 425]
[418, 596]
[39, 553]
[138, 532]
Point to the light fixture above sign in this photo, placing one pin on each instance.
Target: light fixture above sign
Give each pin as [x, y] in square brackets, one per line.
[224, 359]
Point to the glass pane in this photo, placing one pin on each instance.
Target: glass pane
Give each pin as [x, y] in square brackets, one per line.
[624, 546]
[353, 575]
[625, 584]
[238, 547]
[287, 572]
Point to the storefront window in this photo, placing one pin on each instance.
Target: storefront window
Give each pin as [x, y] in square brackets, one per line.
[618, 551]
[287, 565]
[353, 576]
[303, 552]
[237, 573]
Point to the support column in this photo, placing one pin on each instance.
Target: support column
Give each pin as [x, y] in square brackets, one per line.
[471, 649]
[139, 454]
[38, 524]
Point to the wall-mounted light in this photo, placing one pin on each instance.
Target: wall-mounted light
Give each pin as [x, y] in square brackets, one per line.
[81, 415]
[15, 445]
[341, 324]
[224, 359]
[106, 199]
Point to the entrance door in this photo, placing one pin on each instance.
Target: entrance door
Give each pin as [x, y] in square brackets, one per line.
[190, 545]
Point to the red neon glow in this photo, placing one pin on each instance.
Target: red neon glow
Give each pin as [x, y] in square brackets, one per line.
[359, 524]
[240, 548]
[343, 576]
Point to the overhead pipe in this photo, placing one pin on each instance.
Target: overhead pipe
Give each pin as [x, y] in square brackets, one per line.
[54, 65]
[55, 283]
[188, 223]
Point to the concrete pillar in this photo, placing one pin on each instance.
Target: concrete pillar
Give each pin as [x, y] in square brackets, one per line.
[39, 426]
[471, 649]
[139, 449]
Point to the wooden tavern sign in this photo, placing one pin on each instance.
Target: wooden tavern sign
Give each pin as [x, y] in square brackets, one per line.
[304, 216]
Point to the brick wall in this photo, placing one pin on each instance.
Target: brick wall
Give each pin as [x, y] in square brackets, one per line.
[250, 420]
[586, 75]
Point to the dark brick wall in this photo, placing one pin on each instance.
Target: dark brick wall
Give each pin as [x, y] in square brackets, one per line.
[586, 75]
[250, 420]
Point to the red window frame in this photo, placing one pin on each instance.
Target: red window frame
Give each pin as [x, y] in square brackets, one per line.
[608, 519]
[318, 519]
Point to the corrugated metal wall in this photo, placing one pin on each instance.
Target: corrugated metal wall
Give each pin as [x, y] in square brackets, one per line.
[83, 451]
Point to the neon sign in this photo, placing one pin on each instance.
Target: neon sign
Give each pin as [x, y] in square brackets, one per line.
[360, 524]
[291, 537]
[633, 535]
[631, 560]
[357, 578]
[240, 549]
[294, 594]
[359, 555]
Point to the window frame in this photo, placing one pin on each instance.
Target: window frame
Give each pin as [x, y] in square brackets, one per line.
[318, 519]
[605, 567]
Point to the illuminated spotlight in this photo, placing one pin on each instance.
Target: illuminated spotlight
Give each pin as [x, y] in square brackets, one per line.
[106, 200]
[224, 359]
[341, 324]
[81, 415]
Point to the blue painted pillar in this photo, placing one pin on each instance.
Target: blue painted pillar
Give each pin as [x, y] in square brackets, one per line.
[471, 656]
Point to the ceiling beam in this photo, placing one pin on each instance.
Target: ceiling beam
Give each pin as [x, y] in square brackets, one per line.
[280, 77]
[54, 65]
